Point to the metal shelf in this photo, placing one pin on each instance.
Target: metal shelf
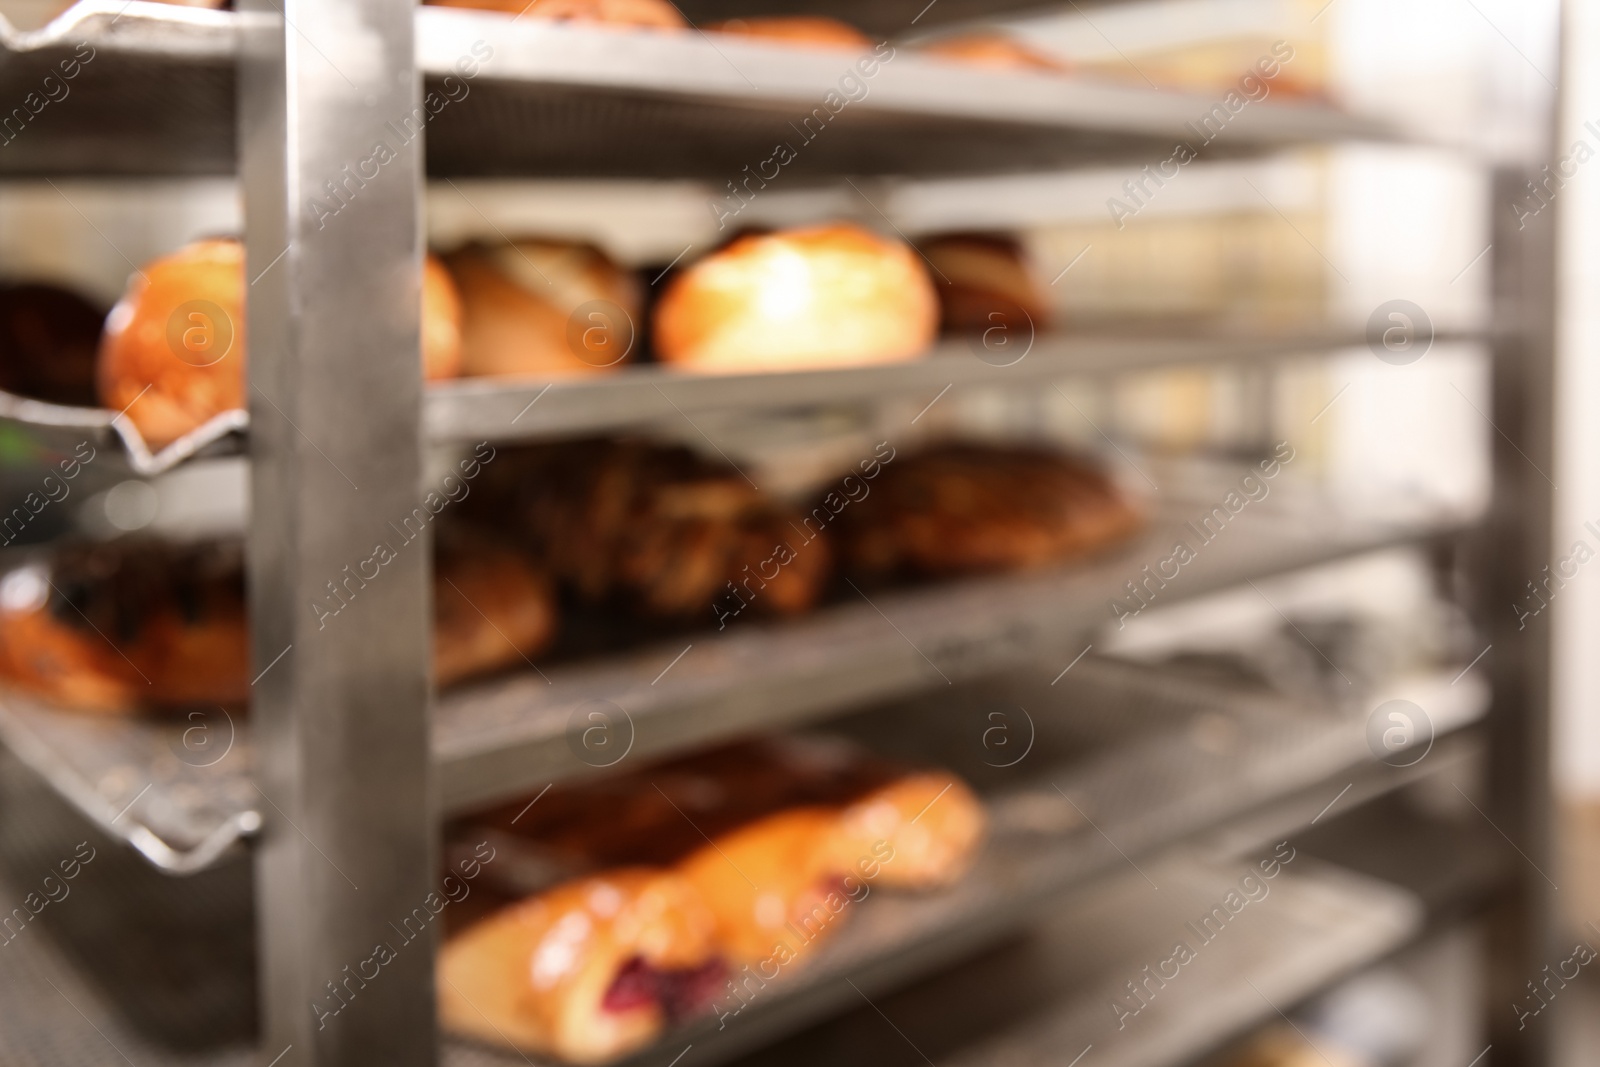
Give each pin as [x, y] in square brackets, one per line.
[1045, 1000]
[1192, 757]
[505, 410]
[157, 97]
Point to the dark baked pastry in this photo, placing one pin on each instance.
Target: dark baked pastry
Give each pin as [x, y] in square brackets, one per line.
[988, 283]
[120, 628]
[48, 337]
[657, 531]
[968, 508]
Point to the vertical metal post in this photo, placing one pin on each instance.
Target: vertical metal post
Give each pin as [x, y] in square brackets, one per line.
[1519, 543]
[339, 596]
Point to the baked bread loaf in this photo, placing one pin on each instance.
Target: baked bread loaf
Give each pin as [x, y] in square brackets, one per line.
[586, 972]
[118, 629]
[173, 352]
[657, 532]
[969, 508]
[985, 48]
[823, 296]
[48, 337]
[657, 14]
[806, 30]
[990, 284]
[544, 309]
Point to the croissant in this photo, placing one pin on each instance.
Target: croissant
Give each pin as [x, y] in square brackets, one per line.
[588, 971]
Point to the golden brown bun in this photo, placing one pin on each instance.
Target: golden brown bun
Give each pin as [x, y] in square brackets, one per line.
[587, 971]
[118, 630]
[992, 49]
[658, 532]
[969, 508]
[806, 30]
[654, 13]
[931, 822]
[771, 885]
[544, 309]
[989, 284]
[48, 337]
[824, 296]
[175, 343]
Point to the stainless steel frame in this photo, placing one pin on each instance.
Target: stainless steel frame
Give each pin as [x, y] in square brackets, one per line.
[346, 759]
[341, 700]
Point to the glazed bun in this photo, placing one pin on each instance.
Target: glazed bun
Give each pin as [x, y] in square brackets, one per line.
[990, 284]
[930, 821]
[544, 309]
[1001, 51]
[48, 337]
[658, 14]
[175, 342]
[810, 31]
[825, 296]
[585, 972]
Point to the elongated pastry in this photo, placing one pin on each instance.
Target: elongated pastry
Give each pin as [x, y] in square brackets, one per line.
[173, 353]
[116, 630]
[772, 885]
[656, 14]
[588, 971]
[928, 824]
[48, 337]
[658, 532]
[969, 508]
[803, 30]
[821, 296]
[544, 309]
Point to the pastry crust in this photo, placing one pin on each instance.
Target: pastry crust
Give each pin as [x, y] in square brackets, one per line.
[986, 48]
[804, 30]
[823, 296]
[656, 531]
[969, 508]
[989, 284]
[173, 352]
[118, 630]
[931, 822]
[544, 309]
[48, 337]
[588, 971]
[656, 14]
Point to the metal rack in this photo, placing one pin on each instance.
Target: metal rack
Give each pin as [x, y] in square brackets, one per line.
[351, 760]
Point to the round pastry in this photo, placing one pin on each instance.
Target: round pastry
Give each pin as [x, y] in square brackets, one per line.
[992, 49]
[587, 971]
[658, 14]
[175, 342]
[970, 508]
[772, 886]
[991, 284]
[806, 30]
[48, 337]
[491, 610]
[658, 531]
[930, 822]
[825, 296]
[544, 309]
